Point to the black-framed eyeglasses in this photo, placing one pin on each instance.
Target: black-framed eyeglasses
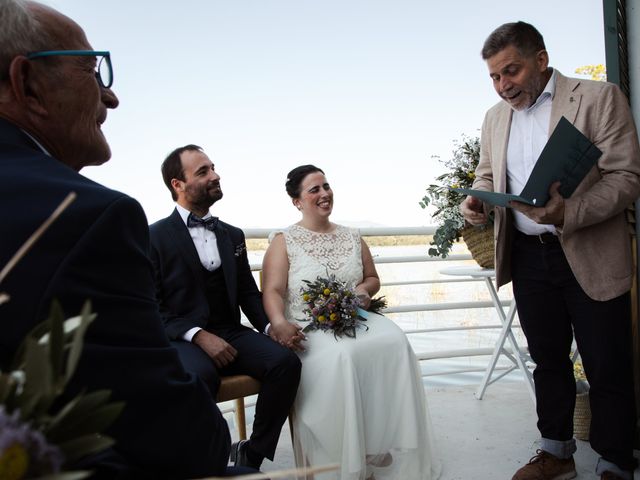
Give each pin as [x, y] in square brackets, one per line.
[104, 70]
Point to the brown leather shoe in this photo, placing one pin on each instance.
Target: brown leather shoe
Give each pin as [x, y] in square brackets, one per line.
[544, 466]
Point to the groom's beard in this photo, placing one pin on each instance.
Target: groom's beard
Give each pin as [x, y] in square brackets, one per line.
[204, 196]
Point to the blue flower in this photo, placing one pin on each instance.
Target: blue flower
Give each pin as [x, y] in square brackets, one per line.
[24, 452]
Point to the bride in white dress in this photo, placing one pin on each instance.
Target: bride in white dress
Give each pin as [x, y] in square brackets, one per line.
[361, 401]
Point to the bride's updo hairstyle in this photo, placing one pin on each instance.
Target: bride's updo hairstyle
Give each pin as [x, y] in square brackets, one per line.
[296, 176]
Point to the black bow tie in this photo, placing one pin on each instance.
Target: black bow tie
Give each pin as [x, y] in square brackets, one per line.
[194, 221]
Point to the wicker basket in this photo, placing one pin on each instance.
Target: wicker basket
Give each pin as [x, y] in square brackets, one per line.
[479, 241]
[582, 417]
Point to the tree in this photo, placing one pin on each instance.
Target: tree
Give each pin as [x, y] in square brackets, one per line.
[596, 72]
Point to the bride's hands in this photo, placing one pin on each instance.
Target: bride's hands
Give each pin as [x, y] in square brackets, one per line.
[288, 335]
[364, 297]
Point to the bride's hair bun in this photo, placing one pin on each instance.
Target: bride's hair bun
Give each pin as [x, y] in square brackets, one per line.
[296, 176]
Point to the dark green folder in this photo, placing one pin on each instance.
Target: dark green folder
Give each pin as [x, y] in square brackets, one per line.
[567, 157]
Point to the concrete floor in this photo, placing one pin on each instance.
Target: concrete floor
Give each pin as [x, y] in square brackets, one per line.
[476, 439]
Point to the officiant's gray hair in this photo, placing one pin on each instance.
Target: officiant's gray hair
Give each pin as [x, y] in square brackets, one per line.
[296, 176]
[524, 36]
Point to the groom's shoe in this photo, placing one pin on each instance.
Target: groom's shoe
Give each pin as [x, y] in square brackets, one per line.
[240, 455]
[544, 466]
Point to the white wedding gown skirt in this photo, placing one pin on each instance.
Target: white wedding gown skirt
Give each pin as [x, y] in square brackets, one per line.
[361, 398]
[361, 401]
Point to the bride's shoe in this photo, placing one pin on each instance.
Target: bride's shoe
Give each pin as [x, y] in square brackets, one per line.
[381, 460]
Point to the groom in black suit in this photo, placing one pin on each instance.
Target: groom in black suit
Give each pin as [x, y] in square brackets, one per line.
[203, 278]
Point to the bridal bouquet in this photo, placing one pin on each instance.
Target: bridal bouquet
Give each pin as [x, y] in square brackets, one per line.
[331, 305]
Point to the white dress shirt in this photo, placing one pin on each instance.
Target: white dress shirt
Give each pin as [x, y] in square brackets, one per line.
[207, 248]
[528, 136]
[204, 241]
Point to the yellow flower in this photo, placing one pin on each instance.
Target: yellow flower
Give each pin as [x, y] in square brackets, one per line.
[305, 297]
[326, 291]
[578, 371]
[14, 462]
[321, 318]
[333, 317]
[455, 185]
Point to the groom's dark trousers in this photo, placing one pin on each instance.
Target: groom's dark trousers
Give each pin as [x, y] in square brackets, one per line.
[191, 296]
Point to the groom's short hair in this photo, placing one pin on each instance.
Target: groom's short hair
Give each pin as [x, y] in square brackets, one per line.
[172, 167]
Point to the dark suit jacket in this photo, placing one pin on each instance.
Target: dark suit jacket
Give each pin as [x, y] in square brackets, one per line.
[98, 250]
[180, 283]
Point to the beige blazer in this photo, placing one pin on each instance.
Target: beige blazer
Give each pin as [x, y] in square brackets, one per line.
[595, 236]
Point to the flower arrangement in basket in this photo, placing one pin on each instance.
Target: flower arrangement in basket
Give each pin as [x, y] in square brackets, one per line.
[582, 410]
[331, 305]
[461, 174]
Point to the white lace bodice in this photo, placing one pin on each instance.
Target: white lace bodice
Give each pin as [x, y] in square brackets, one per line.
[313, 255]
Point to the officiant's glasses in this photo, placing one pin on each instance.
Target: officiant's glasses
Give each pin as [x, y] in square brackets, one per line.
[104, 70]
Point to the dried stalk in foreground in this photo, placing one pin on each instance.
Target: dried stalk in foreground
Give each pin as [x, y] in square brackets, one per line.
[22, 251]
[290, 473]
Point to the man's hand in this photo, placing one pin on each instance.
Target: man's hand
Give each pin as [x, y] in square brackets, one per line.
[551, 214]
[220, 351]
[288, 335]
[472, 211]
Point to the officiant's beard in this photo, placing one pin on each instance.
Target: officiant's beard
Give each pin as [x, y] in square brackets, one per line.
[529, 93]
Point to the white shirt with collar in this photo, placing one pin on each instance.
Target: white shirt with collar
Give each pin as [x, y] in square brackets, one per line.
[528, 136]
[204, 241]
[207, 247]
[44, 150]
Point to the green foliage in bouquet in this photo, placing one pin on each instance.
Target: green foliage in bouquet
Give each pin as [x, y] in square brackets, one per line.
[331, 305]
[461, 174]
[36, 441]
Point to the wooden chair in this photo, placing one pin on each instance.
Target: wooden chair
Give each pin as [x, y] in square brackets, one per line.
[236, 387]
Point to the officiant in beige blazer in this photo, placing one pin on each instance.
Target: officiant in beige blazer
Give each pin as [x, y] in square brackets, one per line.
[569, 260]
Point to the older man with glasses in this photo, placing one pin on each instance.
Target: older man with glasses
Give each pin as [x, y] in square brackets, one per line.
[55, 92]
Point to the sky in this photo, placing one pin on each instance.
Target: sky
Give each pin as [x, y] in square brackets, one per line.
[368, 90]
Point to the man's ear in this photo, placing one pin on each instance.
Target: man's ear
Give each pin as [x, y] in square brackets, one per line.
[542, 59]
[177, 185]
[27, 85]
